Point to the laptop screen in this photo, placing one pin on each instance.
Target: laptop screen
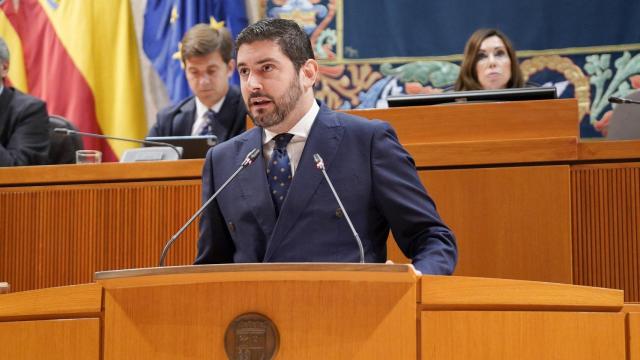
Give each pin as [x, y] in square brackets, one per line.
[517, 94]
[193, 147]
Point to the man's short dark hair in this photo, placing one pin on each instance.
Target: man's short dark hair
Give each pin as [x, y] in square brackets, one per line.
[203, 40]
[291, 39]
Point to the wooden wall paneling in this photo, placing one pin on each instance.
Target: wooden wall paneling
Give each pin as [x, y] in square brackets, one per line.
[17, 256]
[512, 222]
[94, 227]
[606, 213]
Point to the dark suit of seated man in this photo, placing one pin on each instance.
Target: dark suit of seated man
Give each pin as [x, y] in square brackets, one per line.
[281, 209]
[216, 108]
[24, 123]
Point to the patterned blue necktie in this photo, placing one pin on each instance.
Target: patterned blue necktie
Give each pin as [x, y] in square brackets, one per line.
[279, 171]
[207, 128]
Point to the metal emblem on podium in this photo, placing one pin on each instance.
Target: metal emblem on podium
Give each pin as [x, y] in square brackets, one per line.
[251, 336]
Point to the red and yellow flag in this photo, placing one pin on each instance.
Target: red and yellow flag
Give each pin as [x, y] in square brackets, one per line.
[81, 57]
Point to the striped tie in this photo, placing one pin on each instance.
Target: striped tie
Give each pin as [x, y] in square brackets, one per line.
[207, 127]
[279, 171]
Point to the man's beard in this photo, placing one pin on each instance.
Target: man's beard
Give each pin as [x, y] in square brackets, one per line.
[282, 106]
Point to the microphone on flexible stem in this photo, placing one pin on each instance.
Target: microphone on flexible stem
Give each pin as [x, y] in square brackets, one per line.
[248, 160]
[99, 136]
[619, 100]
[320, 166]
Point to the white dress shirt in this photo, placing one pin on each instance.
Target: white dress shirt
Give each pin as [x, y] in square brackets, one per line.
[300, 133]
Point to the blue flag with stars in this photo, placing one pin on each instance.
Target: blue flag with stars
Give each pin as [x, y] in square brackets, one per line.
[166, 21]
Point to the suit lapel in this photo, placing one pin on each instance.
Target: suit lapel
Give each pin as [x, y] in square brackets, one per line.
[254, 184]
[324, 139]
[186, 118]
[5, 100]
[226, 116]
[220, 125]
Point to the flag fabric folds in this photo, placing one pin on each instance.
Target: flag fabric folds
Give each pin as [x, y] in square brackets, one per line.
[166, 21]
[81, 57]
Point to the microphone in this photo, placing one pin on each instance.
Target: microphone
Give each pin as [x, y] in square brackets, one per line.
[320, 166]
[621, 100]
[248, 160]
[99, 136]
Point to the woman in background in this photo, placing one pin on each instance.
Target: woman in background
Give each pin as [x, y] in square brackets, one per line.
[489, 62]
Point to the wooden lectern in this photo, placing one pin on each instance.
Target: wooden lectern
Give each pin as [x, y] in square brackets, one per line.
[320, 311]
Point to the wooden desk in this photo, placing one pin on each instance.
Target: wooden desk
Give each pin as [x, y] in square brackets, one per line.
[524, 197]
[485, 133]
[321, 311]
[633, 330]
[526, 202]
[63, 223]
[474, 318]
[56, 323]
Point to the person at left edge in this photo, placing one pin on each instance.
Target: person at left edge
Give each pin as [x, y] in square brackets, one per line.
[208, 64]
[24, 122]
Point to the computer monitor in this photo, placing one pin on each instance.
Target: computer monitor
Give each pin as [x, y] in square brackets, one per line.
[193, 147]
[516, 94]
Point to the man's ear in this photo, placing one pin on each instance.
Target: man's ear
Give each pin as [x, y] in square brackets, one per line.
[230, 66]
[309, 71]
[4, 70]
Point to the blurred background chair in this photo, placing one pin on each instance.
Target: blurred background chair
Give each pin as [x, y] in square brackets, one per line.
[625, 120]
[63, 147]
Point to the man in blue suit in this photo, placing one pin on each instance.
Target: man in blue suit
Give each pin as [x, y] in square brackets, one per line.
[281, 209]
[216, 107]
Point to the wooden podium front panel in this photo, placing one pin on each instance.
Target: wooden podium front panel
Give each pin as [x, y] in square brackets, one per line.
[524, 335]
[512, 222]
[68, 339]
[633, 331]
[316, 319]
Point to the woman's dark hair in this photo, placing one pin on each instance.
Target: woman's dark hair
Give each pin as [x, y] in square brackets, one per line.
[468, 78]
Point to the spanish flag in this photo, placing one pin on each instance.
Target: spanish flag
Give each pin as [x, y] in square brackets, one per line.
[81, 57]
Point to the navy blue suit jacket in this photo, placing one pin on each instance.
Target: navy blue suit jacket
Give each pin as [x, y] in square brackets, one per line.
[24, 129]
[178, 120]
[374, 176]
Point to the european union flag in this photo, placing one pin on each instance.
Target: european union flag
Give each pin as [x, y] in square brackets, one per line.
[166, 21]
